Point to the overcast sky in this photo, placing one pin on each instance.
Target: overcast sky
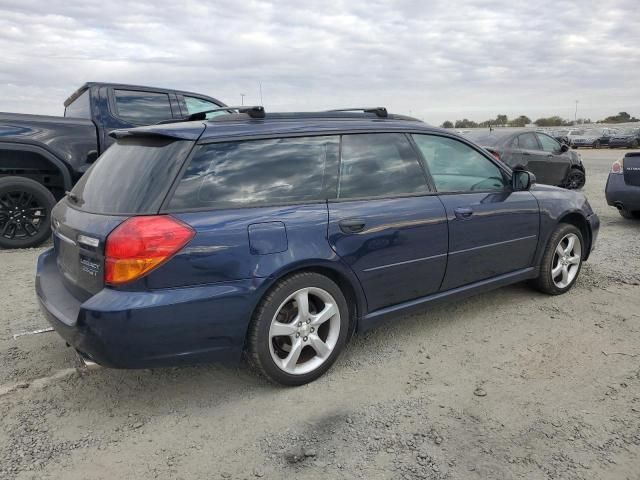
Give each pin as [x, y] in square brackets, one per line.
[434, 59]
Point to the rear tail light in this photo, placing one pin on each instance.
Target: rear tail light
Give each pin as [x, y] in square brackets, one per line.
[495, 154]
[141, 244]
[618, 166]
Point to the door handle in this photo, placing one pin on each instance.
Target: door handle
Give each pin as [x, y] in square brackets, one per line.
[463, 212]
[352, 225]
[526, 153]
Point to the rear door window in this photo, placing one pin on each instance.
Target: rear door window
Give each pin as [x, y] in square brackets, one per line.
[132, 177]
[379, 165]
[259, 172]
[142, 108]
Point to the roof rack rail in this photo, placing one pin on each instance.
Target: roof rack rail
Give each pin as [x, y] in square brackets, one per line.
[379, 111]
[254, 111]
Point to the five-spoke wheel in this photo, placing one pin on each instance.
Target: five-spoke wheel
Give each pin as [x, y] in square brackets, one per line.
[298, 329]
[562, 260]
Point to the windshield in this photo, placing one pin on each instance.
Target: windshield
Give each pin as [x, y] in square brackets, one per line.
[131, 177]
[576, 132]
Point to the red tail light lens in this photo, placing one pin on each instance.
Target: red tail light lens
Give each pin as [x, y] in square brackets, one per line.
[617, 166]
[141, 244]
[495, 154]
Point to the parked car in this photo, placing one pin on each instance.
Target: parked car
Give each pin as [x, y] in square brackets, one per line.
[623, 185]
[41, 157]
[551, 162]
[627, 138]
[280, 236]
[593, 137]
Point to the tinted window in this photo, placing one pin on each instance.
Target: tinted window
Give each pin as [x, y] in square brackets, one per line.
[132, 176]
[196, 105]
[527, 141]
[456, 167]
[259, 172]
[79, 108]
[142, 108]
[379, 165]
[548, 143]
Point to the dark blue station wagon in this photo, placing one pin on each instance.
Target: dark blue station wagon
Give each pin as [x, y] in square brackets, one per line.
[280, 235]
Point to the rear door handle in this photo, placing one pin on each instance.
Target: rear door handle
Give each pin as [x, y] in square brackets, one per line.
[463, 212]
[352, 225]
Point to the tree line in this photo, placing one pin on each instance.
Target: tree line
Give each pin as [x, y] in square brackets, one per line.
[523, 120]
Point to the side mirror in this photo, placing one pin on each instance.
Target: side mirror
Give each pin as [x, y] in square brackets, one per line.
[522, 180]
[564, 147]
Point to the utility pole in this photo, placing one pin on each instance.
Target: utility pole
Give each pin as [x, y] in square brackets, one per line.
[575, 115]
[242, 99]
[261, 102]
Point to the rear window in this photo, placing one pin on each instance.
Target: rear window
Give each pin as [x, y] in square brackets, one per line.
[259, 172]
[80, 107]
[131, 177]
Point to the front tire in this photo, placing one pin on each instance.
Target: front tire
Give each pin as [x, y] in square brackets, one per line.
[299, 329]
[576, 179]
[25, 212]
[562, 260]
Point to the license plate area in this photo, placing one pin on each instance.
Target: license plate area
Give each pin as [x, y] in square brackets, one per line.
[632, 170]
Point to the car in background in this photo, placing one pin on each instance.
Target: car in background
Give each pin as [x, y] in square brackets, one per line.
[592, 137]
[623, 185]
[42, 157]
[626, 138]
[275, 237]
[552, 162]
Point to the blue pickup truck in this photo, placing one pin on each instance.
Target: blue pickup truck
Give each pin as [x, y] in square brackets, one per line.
[41, 157]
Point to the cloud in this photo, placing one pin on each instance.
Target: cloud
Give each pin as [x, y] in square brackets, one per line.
[436, 60]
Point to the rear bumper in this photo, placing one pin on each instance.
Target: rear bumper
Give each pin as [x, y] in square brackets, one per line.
[167, 327]
[621, 195]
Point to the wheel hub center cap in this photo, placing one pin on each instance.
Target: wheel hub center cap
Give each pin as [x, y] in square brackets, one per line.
[304, 330]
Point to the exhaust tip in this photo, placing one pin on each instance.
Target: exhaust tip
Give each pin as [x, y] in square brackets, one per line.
[85, 362]
[619, 205]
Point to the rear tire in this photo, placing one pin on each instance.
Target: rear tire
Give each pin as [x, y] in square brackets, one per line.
[630, 215]
[634, 144]
[25, 212]
[299, 329]
[596, 144]
[562, 261]
[576, 179]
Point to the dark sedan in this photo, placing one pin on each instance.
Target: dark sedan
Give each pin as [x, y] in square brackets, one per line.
[552, 162]
[626, 138]
[623, 185]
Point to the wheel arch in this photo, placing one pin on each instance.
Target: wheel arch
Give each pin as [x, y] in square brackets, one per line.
[37, 157]
[579, 221]
[335, 270]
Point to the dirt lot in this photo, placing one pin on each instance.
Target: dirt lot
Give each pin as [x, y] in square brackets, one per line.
[511, 384]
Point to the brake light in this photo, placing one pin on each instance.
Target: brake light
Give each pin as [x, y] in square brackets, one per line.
[618, 166]
[140, 244]
[495, 154]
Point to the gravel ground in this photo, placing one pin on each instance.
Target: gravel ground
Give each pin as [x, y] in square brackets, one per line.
[510, 384]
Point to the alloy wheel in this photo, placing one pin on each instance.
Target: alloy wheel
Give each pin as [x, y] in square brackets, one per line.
[21, 215]
[566, 260]
[304, 331]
